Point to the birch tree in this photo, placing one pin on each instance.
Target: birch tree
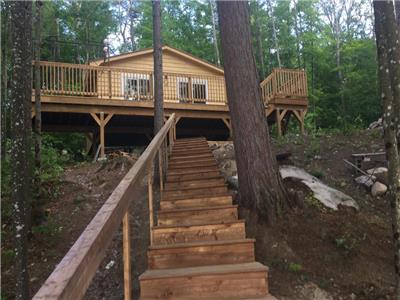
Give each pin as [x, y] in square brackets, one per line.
[214, 31]
[20, 98]
[260, 185]
[387, 38]
[275, 36]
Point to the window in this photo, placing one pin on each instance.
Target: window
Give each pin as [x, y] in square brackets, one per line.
[135, 86]
[199, 89]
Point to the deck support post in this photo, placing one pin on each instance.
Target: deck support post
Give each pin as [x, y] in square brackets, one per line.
[229, 126]
[126, 247]
[102, 122]
[176, 123]
[89, 141]
[278, 122]
[300, 115]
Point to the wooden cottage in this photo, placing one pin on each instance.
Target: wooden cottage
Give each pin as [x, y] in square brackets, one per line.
[114, 97]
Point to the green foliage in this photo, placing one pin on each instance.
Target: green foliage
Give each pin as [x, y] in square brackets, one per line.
[347, 244]
[294, 267]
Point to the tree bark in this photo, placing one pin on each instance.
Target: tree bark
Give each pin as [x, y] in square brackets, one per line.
[384, 23]
[158, 68]
[260, 185]
[38, 108]
[20, 98]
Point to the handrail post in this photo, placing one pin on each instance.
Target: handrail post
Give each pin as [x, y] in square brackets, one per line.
[150, 197]
[127, 256]
[109, 84]
[160, 167]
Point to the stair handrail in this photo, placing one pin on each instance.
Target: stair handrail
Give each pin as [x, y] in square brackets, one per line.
[72, 276]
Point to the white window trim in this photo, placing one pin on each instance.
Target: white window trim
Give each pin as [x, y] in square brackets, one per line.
[136, 76]
[194, 81]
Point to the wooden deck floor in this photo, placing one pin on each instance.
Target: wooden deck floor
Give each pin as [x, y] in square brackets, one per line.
[200, 249]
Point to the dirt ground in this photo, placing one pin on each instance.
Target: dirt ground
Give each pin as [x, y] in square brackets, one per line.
[346, 253]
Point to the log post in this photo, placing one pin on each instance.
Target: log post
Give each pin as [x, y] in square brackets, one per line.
[127, 256]
[102, 122]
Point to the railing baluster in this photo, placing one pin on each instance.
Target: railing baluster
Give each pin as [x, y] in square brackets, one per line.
[150, 198]
[127, 256]
[160, 167]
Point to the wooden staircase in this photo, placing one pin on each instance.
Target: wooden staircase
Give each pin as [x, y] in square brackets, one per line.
[199, 247]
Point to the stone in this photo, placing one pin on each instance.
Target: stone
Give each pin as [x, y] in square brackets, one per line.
[311, 291]
[381, 174]
[378, 189]
[233, 182]
[365, 180]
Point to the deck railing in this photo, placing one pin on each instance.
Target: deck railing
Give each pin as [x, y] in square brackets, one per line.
[284, 83]
[73, 274]
[128, 84]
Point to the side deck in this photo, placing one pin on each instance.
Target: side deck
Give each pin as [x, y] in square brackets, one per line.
[83, 98]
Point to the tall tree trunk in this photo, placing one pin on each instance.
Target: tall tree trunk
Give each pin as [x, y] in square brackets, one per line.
[38, 107]
[278, 56]
[260, 48]
[260, 185]
[4, 79]
[214, 31]
[21, 92]
[296, 30]
[384, 24]
[158, 68]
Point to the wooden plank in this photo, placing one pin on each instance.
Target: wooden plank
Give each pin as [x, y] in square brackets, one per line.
[207, 282]
[126, 250]
[163, 235]
[201, 254]
[198, 202]
[194, 216]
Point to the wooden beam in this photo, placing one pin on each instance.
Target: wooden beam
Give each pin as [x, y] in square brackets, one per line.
[126, 249]
[228, 125]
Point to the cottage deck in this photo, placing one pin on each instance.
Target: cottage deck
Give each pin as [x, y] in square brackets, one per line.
[80, 98]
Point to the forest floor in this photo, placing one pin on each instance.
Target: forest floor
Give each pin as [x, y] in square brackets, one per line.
[311, 251]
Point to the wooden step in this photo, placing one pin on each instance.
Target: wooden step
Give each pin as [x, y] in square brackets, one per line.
[207, 174]
[190, 184]
[194, 193]
[163, 235]
[190, 148]
[189, 153]
[232, 281]
[189, 162]
[197, 202]
[192, 170]
[194, 216]
[201, 254]
[191, 158]
[196, 164]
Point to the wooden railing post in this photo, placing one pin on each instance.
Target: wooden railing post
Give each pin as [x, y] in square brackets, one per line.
[160, 167]
[109, 84]
[190, 89]
[150, 198]
[127, 256]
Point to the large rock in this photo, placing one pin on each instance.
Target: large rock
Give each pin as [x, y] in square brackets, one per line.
[310, 291]
[381, 174]
[378, 189]
[327, 195]
[366, 181]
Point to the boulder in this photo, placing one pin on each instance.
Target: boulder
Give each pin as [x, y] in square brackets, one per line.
[311, 291]
[381, 174]
[376, 124]
[378, 189]
[365, 180]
